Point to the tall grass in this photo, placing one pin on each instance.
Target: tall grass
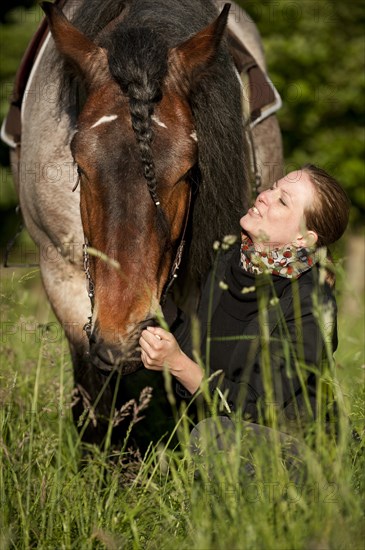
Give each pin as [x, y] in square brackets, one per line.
[167, 498]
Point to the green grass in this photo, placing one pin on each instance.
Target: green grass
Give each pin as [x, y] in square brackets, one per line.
[154, 502]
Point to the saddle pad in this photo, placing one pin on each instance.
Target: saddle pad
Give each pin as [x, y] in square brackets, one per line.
[260, 97]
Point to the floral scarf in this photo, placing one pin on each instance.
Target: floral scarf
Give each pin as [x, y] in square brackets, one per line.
[288, 261]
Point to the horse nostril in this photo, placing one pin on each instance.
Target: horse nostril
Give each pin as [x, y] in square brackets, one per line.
[94, 337]
[149, 322]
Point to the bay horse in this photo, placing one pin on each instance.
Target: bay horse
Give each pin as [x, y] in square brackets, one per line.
[135, 106]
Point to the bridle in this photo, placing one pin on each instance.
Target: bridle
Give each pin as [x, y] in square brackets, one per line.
[178, 256]
[173, 271]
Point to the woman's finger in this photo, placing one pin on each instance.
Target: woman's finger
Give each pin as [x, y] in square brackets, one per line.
[160, 333]
[145, 346]
[148, 362]
[154, 340]
[153, 351]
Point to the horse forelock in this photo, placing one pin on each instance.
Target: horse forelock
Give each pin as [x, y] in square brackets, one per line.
[138, 61]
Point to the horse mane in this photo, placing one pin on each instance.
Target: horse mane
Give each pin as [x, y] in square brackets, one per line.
[138, 62]
[223, 192]
[137, 52]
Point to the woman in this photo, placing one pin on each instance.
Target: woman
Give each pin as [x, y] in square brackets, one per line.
[263, 309]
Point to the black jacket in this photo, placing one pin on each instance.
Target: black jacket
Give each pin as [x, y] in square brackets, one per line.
[279, 361]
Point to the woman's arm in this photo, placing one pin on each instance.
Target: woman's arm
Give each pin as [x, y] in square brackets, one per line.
[160, 348]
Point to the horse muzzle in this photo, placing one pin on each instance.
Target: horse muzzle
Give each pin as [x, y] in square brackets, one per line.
[124, 356]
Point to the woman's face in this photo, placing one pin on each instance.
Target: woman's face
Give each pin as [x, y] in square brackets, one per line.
[277, 217]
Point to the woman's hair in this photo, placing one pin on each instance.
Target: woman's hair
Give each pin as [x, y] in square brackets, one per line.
[328, 215]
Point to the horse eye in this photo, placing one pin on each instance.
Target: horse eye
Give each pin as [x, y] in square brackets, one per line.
[79, 174]
[185, 176]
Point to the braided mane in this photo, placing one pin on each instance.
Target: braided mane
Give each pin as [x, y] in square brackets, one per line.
[138, 62]
[137, 51]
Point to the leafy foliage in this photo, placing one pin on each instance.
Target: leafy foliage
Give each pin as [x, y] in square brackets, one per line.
[17, 27]
[315, 55]
[8, 5]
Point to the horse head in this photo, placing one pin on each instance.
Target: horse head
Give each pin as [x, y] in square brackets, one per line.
[135, 146]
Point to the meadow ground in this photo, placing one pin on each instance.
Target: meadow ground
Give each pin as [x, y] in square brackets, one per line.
[156, 501]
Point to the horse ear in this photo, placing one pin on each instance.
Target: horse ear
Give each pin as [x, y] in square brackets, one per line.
[196, 53]
[89, 59]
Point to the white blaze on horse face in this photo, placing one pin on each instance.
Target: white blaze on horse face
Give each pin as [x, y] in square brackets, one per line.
[194, 136]
[103, 119]
[158, 121]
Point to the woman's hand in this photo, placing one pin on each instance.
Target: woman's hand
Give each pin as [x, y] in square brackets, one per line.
[159, 348]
